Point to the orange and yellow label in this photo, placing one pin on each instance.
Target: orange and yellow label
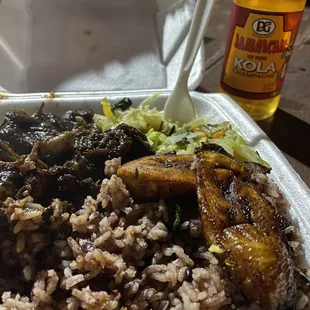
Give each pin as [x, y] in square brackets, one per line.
[259, 47]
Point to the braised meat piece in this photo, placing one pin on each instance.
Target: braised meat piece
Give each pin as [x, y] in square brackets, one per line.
[6, 153]
[22, 131]
[10, 180]
[77, 116]
[62, 157]
[122, 141]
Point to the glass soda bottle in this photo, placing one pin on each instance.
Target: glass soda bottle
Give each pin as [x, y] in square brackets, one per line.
[259, 46]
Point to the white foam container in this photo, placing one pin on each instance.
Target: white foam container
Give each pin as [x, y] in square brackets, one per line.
[132, 48]
[213, 107]
[94, 45]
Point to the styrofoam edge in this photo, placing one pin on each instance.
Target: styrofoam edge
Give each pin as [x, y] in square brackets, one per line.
[6, 96]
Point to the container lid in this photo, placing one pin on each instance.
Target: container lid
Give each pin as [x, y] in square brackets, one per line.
[94, 45]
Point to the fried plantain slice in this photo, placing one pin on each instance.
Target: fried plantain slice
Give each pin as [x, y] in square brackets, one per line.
[235, 217]
[168, 176]
[260, 265]
[155, 177]
[238, 219]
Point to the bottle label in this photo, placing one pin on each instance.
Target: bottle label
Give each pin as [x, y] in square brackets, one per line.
[259, 47]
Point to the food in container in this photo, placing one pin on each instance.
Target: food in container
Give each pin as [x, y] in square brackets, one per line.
[113, 250]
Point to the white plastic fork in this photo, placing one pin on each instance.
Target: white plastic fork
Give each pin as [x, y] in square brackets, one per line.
[179, 106]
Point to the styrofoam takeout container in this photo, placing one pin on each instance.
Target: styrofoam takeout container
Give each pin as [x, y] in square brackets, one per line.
[213, 107]
[78, 48]
[94, 45]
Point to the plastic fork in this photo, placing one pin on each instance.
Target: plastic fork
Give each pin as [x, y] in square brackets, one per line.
[179, 107]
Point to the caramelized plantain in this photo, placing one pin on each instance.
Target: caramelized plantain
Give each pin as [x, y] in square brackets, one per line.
[154, 177]
[235, 216]
[259, 264]
[217, 157]
[238, 219]
[166, 176]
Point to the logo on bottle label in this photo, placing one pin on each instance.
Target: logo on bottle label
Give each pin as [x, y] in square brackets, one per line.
[258, 50]
[263, 26]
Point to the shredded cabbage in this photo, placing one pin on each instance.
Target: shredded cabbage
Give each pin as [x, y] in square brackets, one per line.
[166, 137]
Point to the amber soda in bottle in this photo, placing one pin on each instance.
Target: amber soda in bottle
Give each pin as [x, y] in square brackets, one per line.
[259, 45]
